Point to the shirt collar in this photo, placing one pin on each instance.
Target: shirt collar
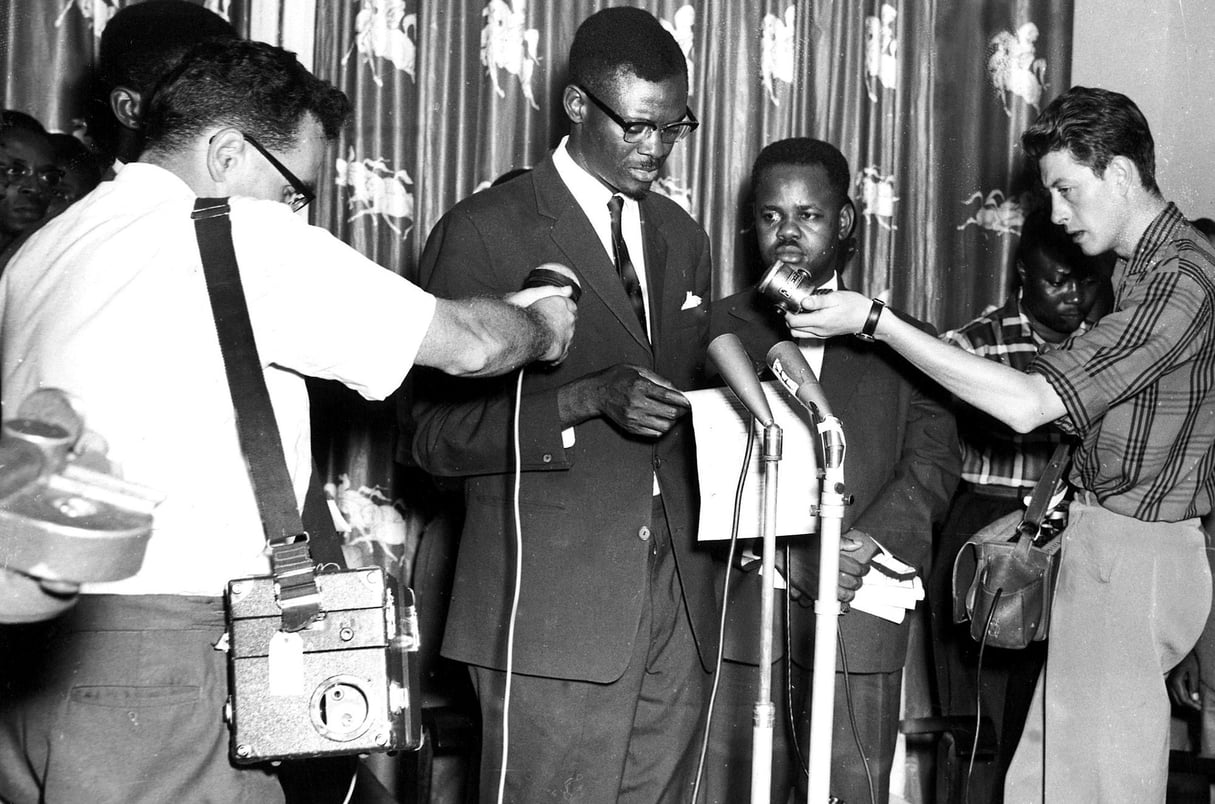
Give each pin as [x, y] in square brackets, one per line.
[590, 193]
[154, 178]
[1158, 233]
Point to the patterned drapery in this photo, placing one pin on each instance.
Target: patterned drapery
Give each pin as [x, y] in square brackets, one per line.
[926, 99]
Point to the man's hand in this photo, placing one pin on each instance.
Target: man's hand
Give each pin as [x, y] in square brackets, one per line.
[635, 399]
[824, 315]
[857, 550]
[1182, 683]
[555, 312]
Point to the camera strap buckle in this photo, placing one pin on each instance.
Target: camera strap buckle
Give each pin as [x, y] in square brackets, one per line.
[295, 582]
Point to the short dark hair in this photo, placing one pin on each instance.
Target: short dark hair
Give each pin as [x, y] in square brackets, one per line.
[1040, 237]
[624, 39]
[804, 151]
[11, 118]
[258, 88]
[1094, 126]
[142, 42]
[73, 155]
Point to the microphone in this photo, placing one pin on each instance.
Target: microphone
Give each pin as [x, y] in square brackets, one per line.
[790, 367]
[556, 275]
[732, 362]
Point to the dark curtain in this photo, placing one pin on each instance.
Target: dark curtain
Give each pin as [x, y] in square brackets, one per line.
[926, 100]
[48, 49]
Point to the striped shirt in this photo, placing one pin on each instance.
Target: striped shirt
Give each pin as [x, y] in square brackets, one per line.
[1139, 388]
[993, 454]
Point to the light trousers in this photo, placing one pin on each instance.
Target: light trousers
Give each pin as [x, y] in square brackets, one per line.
[1132, 599]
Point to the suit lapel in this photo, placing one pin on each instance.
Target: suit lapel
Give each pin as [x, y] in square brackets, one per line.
[844, 364]
[843, 367]
[576, 238]
[655, 259]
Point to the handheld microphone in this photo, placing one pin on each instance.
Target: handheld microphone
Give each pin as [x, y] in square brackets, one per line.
[556, 275]
[790, 367]
[732, 362]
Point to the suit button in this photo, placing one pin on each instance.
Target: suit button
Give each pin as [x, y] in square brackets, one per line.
[657, 462]
[547, 457]
[644, 533]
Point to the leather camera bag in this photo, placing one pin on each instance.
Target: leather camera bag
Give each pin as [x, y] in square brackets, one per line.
[1004, 576]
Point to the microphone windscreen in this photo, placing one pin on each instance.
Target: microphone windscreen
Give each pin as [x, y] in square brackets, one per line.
[732, 362]
[557, 275]
[790, 367]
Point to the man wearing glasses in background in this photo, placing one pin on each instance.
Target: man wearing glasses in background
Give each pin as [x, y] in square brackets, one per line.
[124, 701]
[615, 629]
[28, 175]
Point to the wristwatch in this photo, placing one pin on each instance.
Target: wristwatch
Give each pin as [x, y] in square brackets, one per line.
[875, 312]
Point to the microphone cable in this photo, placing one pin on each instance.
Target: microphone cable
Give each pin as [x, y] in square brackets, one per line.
[725, 606]
[974, 744]
[514, 605]
[856, 733]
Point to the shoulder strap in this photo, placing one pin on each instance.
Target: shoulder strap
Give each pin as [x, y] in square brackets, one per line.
[1044, 489]
[258, 431]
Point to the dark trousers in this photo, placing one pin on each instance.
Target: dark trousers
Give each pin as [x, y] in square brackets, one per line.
[633, 740]
[864, 730]
[1005, 686]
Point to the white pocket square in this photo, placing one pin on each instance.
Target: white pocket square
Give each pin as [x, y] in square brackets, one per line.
[691, 301]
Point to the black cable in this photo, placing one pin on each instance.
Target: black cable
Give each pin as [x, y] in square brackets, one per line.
[788, 662]
[725, 606]
[974, 745]
[856, 733]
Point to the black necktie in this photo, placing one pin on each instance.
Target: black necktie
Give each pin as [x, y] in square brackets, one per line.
[624, 266]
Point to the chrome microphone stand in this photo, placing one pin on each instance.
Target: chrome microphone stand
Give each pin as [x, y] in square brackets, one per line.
[826, 609]
[763, 713]
[789, 366]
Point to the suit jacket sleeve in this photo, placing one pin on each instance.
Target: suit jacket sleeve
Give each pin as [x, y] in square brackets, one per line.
[916, 495]
[464, 426]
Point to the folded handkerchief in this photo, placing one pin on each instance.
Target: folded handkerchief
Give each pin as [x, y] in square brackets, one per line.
[691, 301]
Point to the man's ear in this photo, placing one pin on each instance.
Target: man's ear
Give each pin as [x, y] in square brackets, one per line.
[226, 152]
[574, 102]
[847, 219]
[127, 106]
[1124, 173]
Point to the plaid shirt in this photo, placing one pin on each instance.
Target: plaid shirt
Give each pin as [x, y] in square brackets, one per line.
[993, 454]
[1139, 388]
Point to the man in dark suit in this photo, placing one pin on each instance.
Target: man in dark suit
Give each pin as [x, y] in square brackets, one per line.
[901, 467]
[614, 628]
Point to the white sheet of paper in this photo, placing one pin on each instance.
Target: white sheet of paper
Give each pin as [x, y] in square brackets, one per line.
[721, 423]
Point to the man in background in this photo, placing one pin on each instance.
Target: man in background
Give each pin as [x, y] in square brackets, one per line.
[81, 168]
[28, 175]
[124, 700]
[902, 466]
[1134, 587]
[139, 45]
[615, 627]
[1059, 290]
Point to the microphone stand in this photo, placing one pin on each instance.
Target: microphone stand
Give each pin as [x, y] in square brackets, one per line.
[827, 608]
[763, 713]
[790, 367]
[727, 353]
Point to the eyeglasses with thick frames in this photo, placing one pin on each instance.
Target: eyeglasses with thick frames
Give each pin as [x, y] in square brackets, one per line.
[302, 196]
[638, 130]
[13, 172]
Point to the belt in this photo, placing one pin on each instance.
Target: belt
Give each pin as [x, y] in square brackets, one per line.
[993, 490]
